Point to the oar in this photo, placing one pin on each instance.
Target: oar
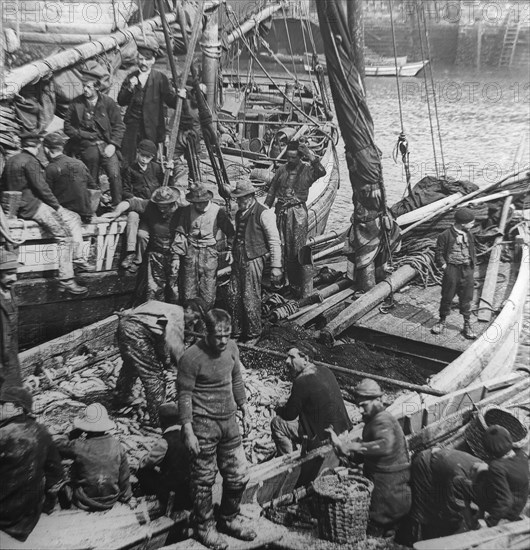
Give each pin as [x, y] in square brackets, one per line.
[341, 370]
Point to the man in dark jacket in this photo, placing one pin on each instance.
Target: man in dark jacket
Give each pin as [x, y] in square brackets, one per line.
[9, 366]
[24, 172]
[145, 93]
[256, 235]
[30, 466]
[315, 404]
[455, 255]
[70, 180]
[94, 124]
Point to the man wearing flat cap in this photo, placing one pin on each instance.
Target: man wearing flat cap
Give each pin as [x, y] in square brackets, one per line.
[145, 92]
[256, 236]
[24, 172]
[455, 255]
[94, 125]
[289, 189]
[195, 241]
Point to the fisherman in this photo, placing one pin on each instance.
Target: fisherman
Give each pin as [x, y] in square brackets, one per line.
[385, 456]
[10, 374]
[151, 341]
[100, 472]
[256, 236]
[70, 180]
[94, 124]
[145, 92]
[315, 404]
[195, 229]
[289, 188]
[30, 465]
[24, 172]
[455, 255]
[210, 389]
[140, 180]
[166, 467]
[156, 213]
[501, 489]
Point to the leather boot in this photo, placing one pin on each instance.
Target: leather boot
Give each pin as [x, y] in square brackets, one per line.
[208, 535]
[69, 285]
[468, 331]
[237, 527]
[439, 327]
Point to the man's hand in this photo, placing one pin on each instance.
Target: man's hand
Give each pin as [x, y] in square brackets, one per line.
[109, 150]
[444, 266]
[133, 82]
[133, 503]
[276, 274]
[248, 424]
[229, 257]
[304, 150]
[190, 440]
[169, 164]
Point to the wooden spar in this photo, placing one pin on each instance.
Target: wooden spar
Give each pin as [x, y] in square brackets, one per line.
[495, 196]
[485, 307]
[420, 213]
[368, 301]
[317, 298]
[252, 22]
[211, 52]
[324, 306]
[167, 38]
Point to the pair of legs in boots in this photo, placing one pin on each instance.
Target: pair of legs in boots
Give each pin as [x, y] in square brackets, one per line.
[220, 446]
[457, 280]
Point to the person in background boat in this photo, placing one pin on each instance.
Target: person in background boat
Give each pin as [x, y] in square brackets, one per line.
[10, 374]
[195, 310]
[151, 341]
[166, 467]
[195, 230]
[434, 510]
[386, 462]
[289, 189]
[145, 92]
[24, 172]
[501, 488]
[256, 236]
[210, 389]
[140, 180]
[93, 123]
[455, 255]
[100, 471]
[156, 214]
[30, 468]
[70, 180]
[315, 404]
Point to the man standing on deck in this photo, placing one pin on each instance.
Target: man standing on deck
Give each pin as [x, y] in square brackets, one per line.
[256, 236]
[455, 255]
[145, 93]
[315, 404]
[290, 189]
[24, 172]
[9, 366]
[210, 389]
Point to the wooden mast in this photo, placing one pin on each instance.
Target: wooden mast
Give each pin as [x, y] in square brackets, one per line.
[211, 53]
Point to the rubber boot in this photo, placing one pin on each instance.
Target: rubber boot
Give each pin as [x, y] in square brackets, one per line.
[208, 535]
[230, 521]
[439, 327]
[468, 331]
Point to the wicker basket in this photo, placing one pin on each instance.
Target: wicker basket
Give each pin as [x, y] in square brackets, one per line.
[343, 502]
[489, 416]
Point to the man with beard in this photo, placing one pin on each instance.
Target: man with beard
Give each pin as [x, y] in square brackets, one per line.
[290, 189]
[145, 93]
[94, 124]
[156, 214]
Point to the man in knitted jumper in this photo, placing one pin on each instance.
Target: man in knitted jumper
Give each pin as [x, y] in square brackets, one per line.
[455, 255]
[210, 389]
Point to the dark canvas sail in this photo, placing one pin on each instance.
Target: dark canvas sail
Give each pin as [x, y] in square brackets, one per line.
[374, 233]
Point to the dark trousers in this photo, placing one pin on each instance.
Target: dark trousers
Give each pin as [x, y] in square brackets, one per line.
[94, 160]
[457, 280]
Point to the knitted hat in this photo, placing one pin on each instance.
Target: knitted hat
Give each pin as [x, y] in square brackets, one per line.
[54, 140]
[17, 396]
[464, 215]
[368, 388]
[293, 146]
[497, 441]
[164, 195]
[168, 415]
[94, 418]
[147, 147]
[199, 194]
[9, 260]
[243, 188]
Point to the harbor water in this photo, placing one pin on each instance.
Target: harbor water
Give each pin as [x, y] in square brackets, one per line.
[482, 117]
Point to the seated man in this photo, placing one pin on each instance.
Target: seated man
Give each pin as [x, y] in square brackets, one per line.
[166, 467]
[315, 404]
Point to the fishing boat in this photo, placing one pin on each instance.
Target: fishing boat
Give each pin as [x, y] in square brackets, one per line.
[45, 312]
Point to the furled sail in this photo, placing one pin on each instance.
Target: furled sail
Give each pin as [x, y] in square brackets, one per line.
[374, 233]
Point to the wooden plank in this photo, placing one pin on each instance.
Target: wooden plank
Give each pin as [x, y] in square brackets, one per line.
[327, 304]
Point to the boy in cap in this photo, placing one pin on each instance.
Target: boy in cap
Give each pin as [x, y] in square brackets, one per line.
[94, 124]
[195, 228]
[24, 172]
[70, 180]
[455, 254]
[30, 468]
[9, 365]
[145, 92]
[100, 471]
